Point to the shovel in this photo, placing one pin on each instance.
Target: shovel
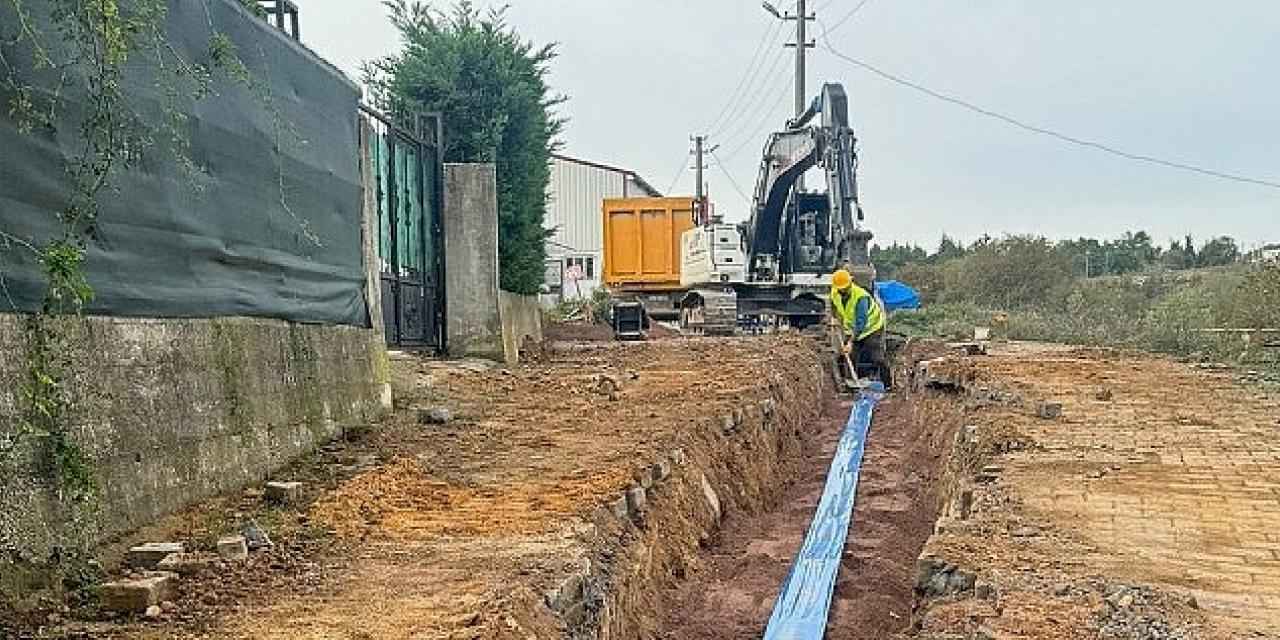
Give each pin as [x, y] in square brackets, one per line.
[853, 382]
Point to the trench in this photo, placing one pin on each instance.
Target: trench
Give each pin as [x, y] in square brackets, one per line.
[721, 582]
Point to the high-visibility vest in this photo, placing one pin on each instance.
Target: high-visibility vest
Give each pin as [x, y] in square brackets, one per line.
[846, 309]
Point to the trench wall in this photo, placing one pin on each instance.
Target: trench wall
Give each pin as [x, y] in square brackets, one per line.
[648, 538]
[170, 412]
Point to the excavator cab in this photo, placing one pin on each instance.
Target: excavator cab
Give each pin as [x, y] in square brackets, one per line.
[810, 247]
[795, 238]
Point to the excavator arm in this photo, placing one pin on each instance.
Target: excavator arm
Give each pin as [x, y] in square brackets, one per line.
[787, 230]
[787, 156]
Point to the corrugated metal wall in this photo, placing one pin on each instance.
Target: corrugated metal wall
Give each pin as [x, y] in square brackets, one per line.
[573, 210]
[575, 197]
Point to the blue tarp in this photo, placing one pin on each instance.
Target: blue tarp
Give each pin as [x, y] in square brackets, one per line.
[896, 295]
[804, 603]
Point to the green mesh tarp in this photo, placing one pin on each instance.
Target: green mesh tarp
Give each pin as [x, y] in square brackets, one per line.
[267, 234]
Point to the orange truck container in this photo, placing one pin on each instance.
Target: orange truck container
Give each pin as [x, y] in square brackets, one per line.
[642, 243]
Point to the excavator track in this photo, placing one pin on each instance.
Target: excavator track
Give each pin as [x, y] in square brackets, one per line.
[717, 315]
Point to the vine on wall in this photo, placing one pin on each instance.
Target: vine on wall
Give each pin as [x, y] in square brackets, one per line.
[56, 46]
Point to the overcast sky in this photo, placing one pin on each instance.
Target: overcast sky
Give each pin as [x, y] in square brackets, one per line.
[1179, 80]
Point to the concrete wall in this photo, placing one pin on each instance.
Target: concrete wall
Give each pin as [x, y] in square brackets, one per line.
[471, 260]
[521, 319]
[173, 411]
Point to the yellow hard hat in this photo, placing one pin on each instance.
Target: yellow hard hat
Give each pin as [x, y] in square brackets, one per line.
[841, 279]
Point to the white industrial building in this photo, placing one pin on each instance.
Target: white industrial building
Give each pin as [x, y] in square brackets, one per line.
[1270, 254]
[575, 195]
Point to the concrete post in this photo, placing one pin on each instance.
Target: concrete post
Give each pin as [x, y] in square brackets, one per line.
[471, 260]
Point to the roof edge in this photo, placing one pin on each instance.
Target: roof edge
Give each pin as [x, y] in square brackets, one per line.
[644, 184]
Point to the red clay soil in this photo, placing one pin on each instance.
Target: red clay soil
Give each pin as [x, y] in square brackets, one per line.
[577, 332]
[581, 331]
[896, 508]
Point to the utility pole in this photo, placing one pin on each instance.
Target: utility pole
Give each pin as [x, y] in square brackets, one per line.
[802, 45]
[802, 19]
[700, 151]
[699, 203]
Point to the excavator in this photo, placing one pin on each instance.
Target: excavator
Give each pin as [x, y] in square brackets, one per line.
[794, 239]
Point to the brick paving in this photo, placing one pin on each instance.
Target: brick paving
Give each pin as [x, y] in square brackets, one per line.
[1174, 481]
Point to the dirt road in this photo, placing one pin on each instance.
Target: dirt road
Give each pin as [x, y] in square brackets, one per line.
[461, 530]
[1148, 509]
[895, 510]
[660, 490]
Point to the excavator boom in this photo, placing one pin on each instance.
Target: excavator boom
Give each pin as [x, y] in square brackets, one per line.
[792, 232]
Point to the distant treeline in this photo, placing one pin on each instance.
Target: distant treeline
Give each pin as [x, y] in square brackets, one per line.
[1089, 257]
[1177, 299]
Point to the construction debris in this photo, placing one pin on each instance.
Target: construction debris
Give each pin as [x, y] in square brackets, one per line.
[234, 548]
[148, 555]
[284, 493]
[255, 538]
[187, 564]
[137, 595]
[435, 415]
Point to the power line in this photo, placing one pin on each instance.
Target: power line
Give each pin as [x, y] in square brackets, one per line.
[762, 124]
[684, 166]
[846, 18]
[736, 187]
[1099, 146]
[762, 105]
[774, 36]
[752, 98]
[750, 73]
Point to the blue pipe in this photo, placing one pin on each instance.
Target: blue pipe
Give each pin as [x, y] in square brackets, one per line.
[804, 603]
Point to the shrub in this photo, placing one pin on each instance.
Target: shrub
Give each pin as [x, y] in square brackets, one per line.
[1175, 323]
[1016, 272]
[926, 279]
[1255, 302]
[953, 321]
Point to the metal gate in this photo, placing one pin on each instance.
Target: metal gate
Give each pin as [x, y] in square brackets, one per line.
[407, 172]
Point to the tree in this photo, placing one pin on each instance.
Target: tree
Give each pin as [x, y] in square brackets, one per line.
[926, 279]
[1218, 252]
[1085, 254]
[948, 249]
[1013, 272]
[1179, 255]
[490, 85]
[890, 260]
[1133, 252]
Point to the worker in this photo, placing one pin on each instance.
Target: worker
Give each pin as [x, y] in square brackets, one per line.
[861, 321]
